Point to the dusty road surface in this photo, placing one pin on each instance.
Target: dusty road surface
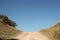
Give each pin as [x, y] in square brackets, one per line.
[30, 36]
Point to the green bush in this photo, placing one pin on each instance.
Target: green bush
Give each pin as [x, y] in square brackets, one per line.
[4, 19]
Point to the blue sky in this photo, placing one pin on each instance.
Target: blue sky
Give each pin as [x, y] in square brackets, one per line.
[32, 15]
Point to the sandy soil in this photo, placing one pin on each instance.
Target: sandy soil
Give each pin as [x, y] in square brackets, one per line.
[30, 36]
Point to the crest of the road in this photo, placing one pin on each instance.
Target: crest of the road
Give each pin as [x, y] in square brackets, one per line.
[31, 36]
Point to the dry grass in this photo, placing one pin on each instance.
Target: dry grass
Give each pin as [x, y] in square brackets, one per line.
[8, 32]
[53, 33]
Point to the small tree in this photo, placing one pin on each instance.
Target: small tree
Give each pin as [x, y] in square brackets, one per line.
[4, 19]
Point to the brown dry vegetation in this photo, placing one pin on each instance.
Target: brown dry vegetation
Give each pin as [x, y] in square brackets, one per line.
[53, 33]
[7, 31]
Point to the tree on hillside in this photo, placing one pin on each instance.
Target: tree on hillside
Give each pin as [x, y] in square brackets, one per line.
[4, 19]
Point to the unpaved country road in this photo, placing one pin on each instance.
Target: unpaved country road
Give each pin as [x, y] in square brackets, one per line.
[30, 36]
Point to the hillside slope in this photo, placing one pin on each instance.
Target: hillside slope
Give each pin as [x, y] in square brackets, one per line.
[8, 32]
[53, 33]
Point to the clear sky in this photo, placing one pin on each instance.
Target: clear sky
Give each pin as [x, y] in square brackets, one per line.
[32, 15]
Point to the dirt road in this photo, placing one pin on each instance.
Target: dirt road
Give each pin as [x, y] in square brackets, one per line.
[30, 36]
